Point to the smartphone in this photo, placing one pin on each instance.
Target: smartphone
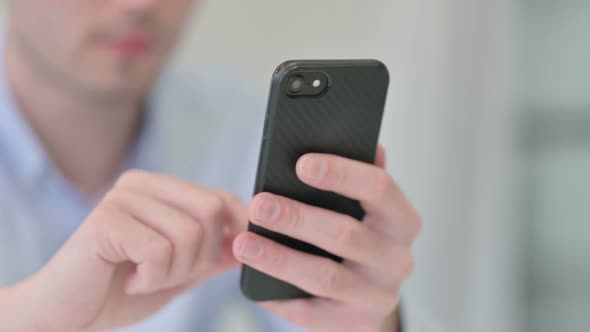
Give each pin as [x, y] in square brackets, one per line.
[323, 106]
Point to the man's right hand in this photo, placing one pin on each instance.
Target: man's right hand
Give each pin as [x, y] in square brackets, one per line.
[151, 238]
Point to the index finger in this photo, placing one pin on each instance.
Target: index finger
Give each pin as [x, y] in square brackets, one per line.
[199, 202]
[371, 185]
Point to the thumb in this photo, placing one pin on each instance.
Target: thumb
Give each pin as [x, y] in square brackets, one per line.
[73, 286]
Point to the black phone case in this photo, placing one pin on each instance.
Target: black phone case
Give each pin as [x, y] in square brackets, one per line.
[345, 120]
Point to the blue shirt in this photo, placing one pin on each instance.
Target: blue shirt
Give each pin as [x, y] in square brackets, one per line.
[206, 133]
[202, 130]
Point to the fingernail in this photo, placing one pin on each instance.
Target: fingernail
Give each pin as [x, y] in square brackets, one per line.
[251, 249]
[313, 168]
[268, 210]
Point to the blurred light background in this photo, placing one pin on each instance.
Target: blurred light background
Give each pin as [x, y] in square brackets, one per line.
[487, 128]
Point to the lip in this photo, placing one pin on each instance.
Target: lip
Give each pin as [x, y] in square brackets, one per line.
[132, 45]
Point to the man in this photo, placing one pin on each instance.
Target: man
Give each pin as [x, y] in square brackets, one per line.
[84, 249]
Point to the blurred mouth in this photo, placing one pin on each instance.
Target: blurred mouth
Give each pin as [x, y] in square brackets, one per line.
[130, 45]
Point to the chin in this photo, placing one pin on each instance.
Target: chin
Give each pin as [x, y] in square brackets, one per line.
[120, 80]
[130, 86]
[116, 93]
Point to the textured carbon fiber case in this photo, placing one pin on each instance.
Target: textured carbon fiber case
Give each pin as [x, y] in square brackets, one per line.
[345, 120]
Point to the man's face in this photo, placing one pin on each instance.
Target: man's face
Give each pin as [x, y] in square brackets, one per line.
[100, 48]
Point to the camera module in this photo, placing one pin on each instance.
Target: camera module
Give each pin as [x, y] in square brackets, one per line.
[296, 84]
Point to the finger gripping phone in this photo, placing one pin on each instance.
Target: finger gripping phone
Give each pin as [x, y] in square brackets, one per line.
[323, 106]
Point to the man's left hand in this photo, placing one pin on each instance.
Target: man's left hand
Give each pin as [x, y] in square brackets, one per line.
[362, 293]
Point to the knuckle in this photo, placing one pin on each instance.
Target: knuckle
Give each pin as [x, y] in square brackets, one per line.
[160, 251]
[116, 197]
[330, 279]
[106, 214]
[130, 176]
[337, 175]
[349, 235]
[110, 199]
[190, 235]
[104, 225]
[405, 265]
[231, 197]
[384, 185]
[296, 215]
[214, 207]
[277, 260]
[417, 221]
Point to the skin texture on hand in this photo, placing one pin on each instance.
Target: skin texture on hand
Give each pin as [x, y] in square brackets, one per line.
[362, 293]
[154, 237]
[134, 252]
[13, 306]
[150, 239]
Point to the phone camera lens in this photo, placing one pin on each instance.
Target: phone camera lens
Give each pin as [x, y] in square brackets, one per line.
[296, 84]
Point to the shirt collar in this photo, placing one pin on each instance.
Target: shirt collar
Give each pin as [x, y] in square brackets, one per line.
[21, 149]
[22, 152]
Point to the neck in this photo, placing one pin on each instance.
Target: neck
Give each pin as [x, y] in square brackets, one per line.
[86, 140]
